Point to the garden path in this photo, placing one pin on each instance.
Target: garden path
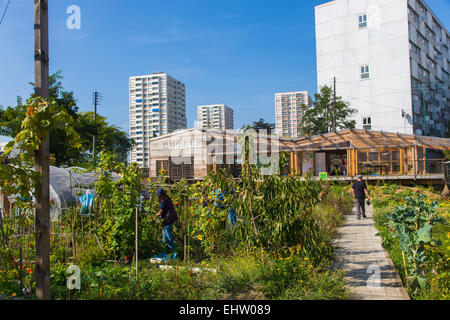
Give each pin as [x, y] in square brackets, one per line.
[370, 273]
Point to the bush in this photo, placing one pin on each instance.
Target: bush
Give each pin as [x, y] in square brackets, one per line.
[90, 254]
[329, 213]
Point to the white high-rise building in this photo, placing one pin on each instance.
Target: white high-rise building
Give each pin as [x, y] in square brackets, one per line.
[218, 116]
[157, 107]
[391, 62]
[289, 109]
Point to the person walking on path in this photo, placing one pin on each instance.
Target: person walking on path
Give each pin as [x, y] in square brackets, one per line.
[169, 216]
[360, 190]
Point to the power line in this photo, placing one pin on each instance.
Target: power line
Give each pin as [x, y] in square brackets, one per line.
[369, 102]
[414, 87]
[4, 12]
[370, 86]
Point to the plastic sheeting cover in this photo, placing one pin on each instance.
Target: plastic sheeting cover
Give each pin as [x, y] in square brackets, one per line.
[65, 183]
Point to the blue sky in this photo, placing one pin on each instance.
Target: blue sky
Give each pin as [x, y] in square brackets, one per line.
[237, 52]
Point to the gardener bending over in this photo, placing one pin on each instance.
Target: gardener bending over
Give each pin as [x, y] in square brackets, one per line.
[360, 190]
[169, 216]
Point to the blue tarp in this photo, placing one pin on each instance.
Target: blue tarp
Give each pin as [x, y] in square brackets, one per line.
[87, 203]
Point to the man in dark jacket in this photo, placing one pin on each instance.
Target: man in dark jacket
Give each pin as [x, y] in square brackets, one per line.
[168, 215]
[360, 190]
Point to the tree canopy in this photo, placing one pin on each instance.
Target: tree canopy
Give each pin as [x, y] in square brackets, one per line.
[319, 118]
[261, 124]
[108, 137]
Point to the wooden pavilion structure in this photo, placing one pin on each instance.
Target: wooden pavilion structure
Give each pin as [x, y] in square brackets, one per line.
[367, 152]
[192, 153]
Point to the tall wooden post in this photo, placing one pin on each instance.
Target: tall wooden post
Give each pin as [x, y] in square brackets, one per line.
[350, 162]
[42, 224]
[297, 163]
[400, 151]
[291, 163]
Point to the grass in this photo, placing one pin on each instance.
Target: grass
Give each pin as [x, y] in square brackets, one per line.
[253, 275]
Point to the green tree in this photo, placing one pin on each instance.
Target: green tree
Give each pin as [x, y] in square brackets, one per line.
[261, 124]
[110, 137]
[11, 118]
[319, 118]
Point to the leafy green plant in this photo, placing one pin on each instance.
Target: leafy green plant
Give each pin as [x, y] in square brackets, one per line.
[274, 211]
[90, 254]
[413, 223]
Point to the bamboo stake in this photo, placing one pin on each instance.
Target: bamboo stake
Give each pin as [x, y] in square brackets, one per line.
[28, 252]
[184, 250]
[20, 265]
[136, 252]
[129, 282]
[189, 243]
[101, 288]
[3, 233]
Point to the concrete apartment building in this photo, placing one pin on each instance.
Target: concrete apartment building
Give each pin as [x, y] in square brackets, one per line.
[289, 108]
[391, 61]
[218, 116]
[157, 107]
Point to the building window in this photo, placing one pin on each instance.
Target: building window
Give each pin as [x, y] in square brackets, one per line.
[413, 14]
[421, 8]
[414, 48]
[430, 33]
[423, 72]
[422, 39]
[431, 64]
[363, 21]
[367, 123]
[365, 74]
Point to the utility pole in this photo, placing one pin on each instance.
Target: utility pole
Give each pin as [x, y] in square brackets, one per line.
[334, 104]
[42, 222]
[96, 98]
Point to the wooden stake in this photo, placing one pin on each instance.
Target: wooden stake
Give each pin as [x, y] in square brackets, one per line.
[136, 253]
[184, 250]
[41, 70]
[129, 283]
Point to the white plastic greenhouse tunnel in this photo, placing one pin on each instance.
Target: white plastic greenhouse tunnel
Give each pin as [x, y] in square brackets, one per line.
[67, 184]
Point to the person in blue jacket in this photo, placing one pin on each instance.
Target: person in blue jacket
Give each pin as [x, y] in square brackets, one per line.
[168, 215]
[219, 202]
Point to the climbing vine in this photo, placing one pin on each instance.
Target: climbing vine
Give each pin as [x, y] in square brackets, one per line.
[19, 177]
